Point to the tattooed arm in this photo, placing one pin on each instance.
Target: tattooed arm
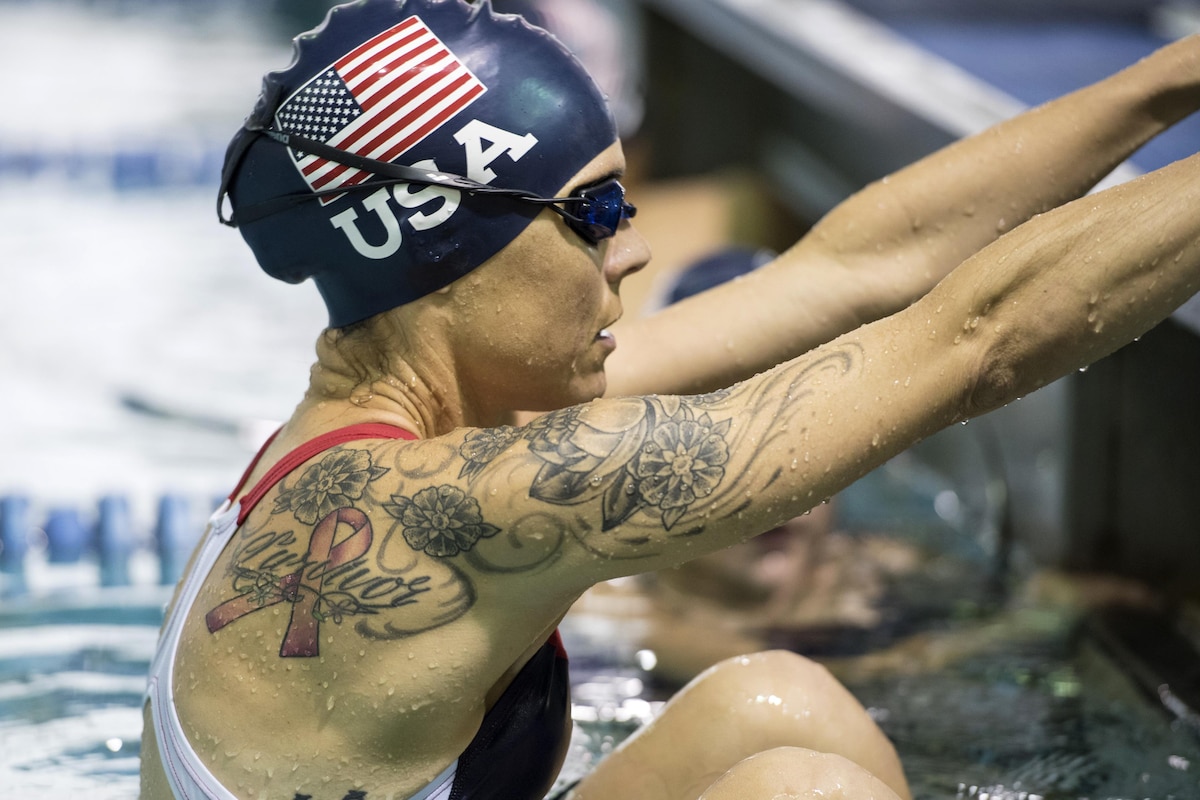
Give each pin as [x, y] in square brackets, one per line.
[890, 243]
[434, 529]
[644, 483]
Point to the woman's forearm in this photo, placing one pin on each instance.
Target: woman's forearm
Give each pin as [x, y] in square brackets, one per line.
[1076, 283]
[934, 214]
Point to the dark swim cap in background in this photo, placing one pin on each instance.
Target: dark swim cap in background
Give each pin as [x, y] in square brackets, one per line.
[439, 84]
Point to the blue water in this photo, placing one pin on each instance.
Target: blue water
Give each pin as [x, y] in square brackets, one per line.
[72, 677]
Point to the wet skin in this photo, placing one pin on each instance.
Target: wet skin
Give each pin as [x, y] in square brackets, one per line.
[362, 620]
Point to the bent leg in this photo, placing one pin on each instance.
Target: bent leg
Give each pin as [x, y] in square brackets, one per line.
[740, 708]
[793, 773]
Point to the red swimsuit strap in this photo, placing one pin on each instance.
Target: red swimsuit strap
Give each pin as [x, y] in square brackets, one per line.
[367, 430]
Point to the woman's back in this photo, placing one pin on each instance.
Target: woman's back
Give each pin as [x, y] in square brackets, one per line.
[324, 644]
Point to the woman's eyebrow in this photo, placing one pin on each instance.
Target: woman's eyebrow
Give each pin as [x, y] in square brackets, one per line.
[615, 174]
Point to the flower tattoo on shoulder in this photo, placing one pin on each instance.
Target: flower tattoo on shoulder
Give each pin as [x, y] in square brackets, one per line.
[441, 521]
[482, 446]
[336, 481]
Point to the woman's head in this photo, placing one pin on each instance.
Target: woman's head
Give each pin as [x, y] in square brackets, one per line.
[440, 85]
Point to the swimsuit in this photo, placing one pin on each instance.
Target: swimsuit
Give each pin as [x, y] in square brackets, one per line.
[517, 751]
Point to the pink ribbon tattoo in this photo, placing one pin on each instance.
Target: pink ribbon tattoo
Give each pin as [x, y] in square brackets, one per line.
[302, 588]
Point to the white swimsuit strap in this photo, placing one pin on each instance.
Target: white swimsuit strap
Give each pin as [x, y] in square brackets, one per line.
[190, 779]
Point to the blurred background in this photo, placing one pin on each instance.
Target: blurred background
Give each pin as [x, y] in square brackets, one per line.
[145, 353]
[1016, 599]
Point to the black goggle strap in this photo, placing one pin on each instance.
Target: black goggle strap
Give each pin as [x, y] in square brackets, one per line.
[391, 175]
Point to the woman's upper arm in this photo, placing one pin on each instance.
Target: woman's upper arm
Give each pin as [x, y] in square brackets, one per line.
[619, 487]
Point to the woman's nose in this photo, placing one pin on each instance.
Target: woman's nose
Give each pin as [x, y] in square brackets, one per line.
[628, 252]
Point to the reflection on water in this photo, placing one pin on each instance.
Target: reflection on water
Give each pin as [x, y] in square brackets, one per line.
[1014, 705]
[1053, 718]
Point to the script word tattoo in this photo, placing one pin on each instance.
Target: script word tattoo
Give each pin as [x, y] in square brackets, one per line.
[332, 579]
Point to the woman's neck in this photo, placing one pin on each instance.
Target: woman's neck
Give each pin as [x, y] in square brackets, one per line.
[356, 380]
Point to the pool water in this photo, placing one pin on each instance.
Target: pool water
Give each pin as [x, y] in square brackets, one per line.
[1031, 706]
[72, 673]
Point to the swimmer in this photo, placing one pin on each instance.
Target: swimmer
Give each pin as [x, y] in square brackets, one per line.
[373, 612]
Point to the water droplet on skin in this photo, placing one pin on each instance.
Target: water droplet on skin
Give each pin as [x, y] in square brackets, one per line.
[875, 440]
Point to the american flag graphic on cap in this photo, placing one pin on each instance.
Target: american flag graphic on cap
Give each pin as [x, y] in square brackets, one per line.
[379, 100]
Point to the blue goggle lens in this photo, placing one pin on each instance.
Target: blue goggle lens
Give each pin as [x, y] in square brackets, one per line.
[595, 213]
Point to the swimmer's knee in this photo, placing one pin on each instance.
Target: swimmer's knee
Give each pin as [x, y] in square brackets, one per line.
[765, 671]
[797, 772]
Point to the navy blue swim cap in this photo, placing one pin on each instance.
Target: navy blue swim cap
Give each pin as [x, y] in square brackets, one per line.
[441, 85]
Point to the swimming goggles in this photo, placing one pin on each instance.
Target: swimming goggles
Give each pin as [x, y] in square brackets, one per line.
[593, 212]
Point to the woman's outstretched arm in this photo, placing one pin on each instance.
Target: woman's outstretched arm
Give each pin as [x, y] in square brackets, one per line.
[661, 479]
[893, 241]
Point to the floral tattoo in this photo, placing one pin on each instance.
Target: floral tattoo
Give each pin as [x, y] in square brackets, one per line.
[331, 580]
[441, 521]
[669, 460]
[335, 482]
[673, 457]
